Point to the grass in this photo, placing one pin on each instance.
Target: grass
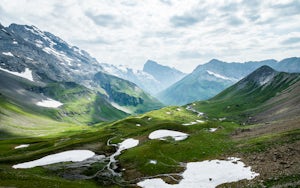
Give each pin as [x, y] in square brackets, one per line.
[47, 135]
[266, 141]
[37, 177]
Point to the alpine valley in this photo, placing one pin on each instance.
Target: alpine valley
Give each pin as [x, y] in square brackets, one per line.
[67, 120]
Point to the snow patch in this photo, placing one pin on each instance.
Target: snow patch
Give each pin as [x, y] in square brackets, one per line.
[153, 161]
[22, 146]
[72, 155]
[212, 129]
[122, 108]
[26, 74]
[207, 174]
[220, 76]
[49, 103]
[59, 55]
[163, 134]
[8, 54]
[194, 122]
[265, 80]
[128, 143]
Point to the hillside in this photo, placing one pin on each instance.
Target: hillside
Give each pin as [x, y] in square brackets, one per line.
[258, 92]
[66, 102]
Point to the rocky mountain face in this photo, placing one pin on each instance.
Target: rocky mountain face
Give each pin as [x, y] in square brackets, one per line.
[48, 59]
[209, 79]
[153, 78]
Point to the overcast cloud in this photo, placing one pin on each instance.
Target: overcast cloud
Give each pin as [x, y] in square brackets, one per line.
[181, 34]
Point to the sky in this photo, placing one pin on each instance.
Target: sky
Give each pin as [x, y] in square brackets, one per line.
[176, 33]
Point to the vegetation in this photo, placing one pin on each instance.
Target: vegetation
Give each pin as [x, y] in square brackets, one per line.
[47, 135]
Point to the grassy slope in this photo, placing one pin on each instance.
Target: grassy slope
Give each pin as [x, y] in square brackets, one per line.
[126, 93]
[81, 105]
[200, 145]
[238, 103]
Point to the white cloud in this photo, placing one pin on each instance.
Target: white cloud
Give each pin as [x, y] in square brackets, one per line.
[181, 34]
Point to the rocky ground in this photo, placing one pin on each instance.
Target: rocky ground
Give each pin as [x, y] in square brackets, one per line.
[278, 163]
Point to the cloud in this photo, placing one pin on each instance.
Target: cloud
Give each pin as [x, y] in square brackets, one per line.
[234, 21]
[291, 8]
[189, 54]
[230, 7]
[291, 40]
[167, 2]
[175, 33]
[189, 18]
[96, 40]
[105, 20]
[183, 21]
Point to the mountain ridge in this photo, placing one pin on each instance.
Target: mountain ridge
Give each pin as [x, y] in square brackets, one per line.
[199, 86]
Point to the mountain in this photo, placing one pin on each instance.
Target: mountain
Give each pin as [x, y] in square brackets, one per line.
[211, 78]
[144, 80]
[264, 95]
[153, 78]
[125, 95]
[164, 74]
[47, 59]
[50, 57]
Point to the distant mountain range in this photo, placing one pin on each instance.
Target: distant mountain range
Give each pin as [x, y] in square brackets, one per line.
[209, 79]
[48, 61]
[153, 78]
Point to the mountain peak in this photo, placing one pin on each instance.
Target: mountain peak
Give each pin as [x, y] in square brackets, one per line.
[215, 61]
[261, 76]
[150, 62]
[263, 70]
[166, 75]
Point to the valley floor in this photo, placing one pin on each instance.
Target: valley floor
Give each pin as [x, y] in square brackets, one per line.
[270, 149]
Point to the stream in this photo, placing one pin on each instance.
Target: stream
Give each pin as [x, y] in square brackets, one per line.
[112, 160]
[190, 108]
